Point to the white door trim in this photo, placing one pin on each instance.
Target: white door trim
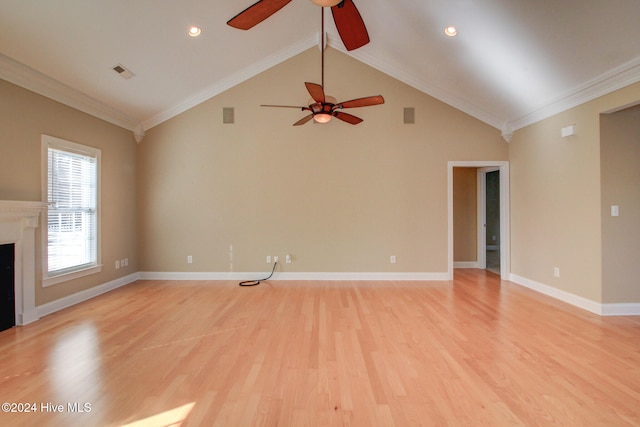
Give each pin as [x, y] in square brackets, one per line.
[505, 250]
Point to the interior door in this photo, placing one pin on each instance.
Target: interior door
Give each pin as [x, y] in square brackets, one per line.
[492, 221]
[489, 247]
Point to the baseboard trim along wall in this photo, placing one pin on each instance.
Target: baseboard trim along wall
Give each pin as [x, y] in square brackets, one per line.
[155, 275]
[621, 309]
[616, 309]
[466, 264]
[62, 303]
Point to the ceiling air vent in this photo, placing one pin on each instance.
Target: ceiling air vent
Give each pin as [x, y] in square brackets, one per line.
[123, 71]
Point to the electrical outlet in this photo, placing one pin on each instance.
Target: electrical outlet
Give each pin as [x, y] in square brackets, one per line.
[275, 258]
[392, 259]
[268, 259]
[287, 259]
[126, 262]
[556, 271]
[117, 264]
[189, 259]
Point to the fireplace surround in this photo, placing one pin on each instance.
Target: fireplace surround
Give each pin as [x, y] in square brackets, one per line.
[18, 221]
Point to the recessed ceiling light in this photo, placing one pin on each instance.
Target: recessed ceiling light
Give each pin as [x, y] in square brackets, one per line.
[451, 31]
[195, 31]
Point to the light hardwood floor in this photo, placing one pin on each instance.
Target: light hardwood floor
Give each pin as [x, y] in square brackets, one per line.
[472, 352]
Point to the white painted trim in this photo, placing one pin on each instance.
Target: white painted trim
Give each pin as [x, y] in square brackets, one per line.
[18, 221]
[28, 78]
[617, 78]
[79, 297]
[47, 142]
[614, 79]
[621, 309]
[381, 276]
[233, 80]
[76, 274]
[407, 77]
[564, 296]
[630, 309]
[467, 264]
[615, 309]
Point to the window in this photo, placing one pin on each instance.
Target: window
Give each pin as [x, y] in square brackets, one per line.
[72, 221]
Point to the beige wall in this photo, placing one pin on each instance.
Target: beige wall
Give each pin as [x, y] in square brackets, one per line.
[465, 215]
[556, 199]
[24, 117]
[339, 198]
[620, 166]
[336, 197]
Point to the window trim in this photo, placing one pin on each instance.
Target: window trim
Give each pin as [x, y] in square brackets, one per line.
[47, 142]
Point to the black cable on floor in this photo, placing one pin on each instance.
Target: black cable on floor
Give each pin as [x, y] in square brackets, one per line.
[257, 282]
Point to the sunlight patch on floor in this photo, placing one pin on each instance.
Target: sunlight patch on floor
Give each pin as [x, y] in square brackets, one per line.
[171, 418]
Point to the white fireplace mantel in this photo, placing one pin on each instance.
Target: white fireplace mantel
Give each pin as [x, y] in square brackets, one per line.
[18, 221]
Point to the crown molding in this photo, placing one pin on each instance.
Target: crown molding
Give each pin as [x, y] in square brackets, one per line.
[614, 79]
[442, 95]
[332, 41]
[28, 78]
[233, 80]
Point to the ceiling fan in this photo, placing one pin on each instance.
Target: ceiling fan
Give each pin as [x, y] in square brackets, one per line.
[345, 14]
[324, 107]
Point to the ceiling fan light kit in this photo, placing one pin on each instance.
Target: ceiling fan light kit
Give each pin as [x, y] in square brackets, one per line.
[322, 117]
[326, 3]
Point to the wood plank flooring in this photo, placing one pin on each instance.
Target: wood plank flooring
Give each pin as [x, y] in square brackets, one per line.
[472, 352]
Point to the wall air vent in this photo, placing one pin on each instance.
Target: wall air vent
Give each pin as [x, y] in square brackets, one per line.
[123, 71]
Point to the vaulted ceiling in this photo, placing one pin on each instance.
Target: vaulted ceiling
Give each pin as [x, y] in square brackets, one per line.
[513, 62]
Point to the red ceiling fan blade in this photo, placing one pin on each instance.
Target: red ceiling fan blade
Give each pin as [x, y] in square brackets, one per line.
[303, 120]
[316, 91]
[362, 102]
[286, 106]
[345, 117]
[350, 25]
[256, 13]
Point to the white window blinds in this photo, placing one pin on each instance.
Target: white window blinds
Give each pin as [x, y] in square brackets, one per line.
[73, 209]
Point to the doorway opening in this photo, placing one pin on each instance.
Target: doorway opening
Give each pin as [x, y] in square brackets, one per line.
[499, 248]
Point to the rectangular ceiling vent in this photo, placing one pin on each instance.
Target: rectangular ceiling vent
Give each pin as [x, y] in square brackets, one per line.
[123, 71]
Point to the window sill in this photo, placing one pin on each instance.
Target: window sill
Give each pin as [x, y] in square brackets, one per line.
[54, 280]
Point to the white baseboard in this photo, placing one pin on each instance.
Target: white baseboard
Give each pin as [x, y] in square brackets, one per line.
[612, 309]
[153, 275]
[68, 301]
[466, 264]
[622, 309]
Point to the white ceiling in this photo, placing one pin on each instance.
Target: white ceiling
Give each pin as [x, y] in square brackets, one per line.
[513, 62]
